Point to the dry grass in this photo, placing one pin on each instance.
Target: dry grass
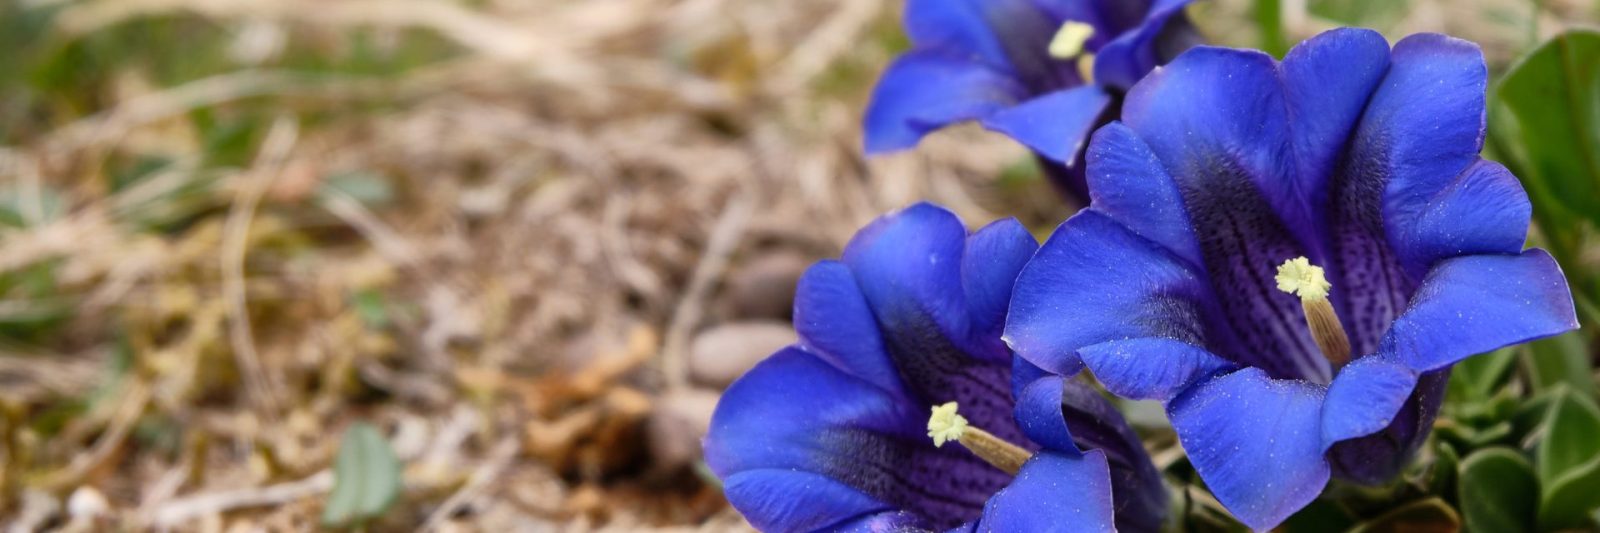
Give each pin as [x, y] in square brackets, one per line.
[500, 255]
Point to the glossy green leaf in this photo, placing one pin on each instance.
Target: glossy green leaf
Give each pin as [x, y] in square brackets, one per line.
[365, 187]
[1528, 421]
[366, 478]
[45, 310]
[1568, 462]
[1269, 18]
[1561, 360]
[1368, 13]
[1478, 377]
[1571, 501]
[1443, 475]
[1322, 515]
[1429, 515]
[1554, 93]
[1498, 491]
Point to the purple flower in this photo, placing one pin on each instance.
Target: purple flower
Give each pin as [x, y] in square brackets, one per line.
[1227, 165]
[1044, 72]
[834, 432]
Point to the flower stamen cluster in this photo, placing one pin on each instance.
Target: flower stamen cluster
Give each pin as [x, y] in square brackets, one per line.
[1299, 277]
[945, 425]
[1068, 44]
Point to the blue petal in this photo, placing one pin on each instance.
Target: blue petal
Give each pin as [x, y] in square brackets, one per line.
[834, 322]
[1136, 485]
[1065, 416]
[1421, 128]
[886, 522]
[960, 28]
[1039, 415]
[1023, 374]
[1377, 457]
[1055, 125]
[1025, 29]
[1095, 281]
[1150, 368]
[796, 421]
[1327, 81]
[1129, 185]
[1123, 61]
[1217, 119]
[925, 90]
[1425, 124]
[1069, 180]
[793, 396]
[994, 256]
[1475, 304]
[767, 498]
[1087, 12]
[908, 264]
[1119, 15]
[1054, 493]
[1484, 211]
[1365, 397]
[1255, 442]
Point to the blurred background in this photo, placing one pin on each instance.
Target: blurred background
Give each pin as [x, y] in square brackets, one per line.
[483, 265]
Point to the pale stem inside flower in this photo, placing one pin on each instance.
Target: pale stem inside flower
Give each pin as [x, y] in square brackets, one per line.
[1299, 277]
[945, 425]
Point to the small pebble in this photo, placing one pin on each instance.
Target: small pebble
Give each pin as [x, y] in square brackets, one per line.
[86, 502]
[722, 353]
[763, 288]
[678, 421]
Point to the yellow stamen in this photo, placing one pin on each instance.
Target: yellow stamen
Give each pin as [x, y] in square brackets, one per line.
[1069, 40]
[946, 426]
[1299, 277]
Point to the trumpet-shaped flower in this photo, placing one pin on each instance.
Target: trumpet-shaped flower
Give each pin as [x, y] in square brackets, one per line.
[1292, 256]
[835, 433]
[1044, 72]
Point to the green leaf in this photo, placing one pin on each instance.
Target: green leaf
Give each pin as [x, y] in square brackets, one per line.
[1368, 13]
[1498, 491]
[45, 309]
[16, 205]
[1429, 515]
[1269, 17]
[1568, 462]
[1443, 476]
[1322, 515]
[1572, 500]
[1563, 359]
[366, 478]
[1478, 377]
[1528, 420]
[365, 187]
[371, 306]
[1554, 93]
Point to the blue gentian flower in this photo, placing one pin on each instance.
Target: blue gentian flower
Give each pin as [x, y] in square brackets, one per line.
[1348, 174]
[834, 433]
[1044, 72]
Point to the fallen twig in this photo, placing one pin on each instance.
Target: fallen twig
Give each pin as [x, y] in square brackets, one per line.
[724, 239]
[183, 510]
